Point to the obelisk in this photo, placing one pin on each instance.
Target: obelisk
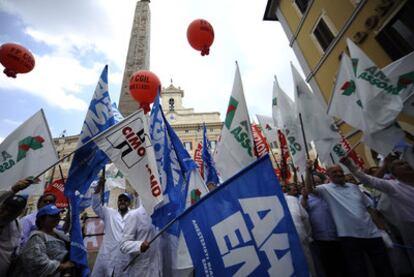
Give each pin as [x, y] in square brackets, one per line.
[138, 56]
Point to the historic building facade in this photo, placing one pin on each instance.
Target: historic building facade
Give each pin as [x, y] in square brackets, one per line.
[317, 32]
[188, 124]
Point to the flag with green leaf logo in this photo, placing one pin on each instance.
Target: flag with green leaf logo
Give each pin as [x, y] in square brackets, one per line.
[27, 151]
[379, 94]
[234, 151]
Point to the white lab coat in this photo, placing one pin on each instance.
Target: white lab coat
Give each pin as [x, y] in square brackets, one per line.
[138, 229]
[110, 259]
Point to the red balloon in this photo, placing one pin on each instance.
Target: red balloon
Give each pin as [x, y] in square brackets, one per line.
[16, 59]
[200, 35]
[143, 87]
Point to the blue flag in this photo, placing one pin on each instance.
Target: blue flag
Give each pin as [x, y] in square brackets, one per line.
[118, 117]
[210, 173]
[244, 227]
[174, 166]
[89, 160]
[77, 252]
[86, 164]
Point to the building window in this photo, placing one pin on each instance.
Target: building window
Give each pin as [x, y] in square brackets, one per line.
[188, 145]
[171, 103]
[213, 144]
[397, 37]
[302, 5]
[323, 34]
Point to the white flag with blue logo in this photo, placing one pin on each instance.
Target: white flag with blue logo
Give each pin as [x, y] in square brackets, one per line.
[244, 228]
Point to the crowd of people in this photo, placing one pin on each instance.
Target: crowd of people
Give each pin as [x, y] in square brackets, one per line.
[356, 224]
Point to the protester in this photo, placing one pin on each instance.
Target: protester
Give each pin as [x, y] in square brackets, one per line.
[110, 261]
[323, 226]
[355, 228]
[28, 222]
[137, 233]
[11, 206]
[301, 222]
[400, 193]
[45, 253]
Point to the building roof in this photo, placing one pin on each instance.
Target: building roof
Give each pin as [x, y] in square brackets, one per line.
[270, 12]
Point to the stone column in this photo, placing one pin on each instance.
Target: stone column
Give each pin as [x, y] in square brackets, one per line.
[138, 56]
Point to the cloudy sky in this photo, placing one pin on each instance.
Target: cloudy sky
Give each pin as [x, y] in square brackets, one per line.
[73, 40]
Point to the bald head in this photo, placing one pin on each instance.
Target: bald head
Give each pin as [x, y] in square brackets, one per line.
[336, 174]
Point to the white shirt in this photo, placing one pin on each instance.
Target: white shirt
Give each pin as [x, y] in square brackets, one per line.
[110, 258]
[348, 206]
[139, 228]
[300, 218]
[401, 195]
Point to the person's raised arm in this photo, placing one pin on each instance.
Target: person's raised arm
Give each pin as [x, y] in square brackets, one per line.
[367, 180]
[96, 199]
[18, 186]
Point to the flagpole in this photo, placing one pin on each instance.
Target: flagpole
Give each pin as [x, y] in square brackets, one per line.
[83, 145]
[103, 189]
[304, 136]
[332, 158]
[306, 144]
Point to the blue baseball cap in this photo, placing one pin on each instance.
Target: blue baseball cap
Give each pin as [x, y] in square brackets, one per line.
[48, 210]
[127, 195]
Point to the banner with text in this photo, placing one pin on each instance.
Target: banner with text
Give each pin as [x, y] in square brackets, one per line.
[244, 228]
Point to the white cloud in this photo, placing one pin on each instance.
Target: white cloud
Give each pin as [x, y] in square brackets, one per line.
[1, 139]
[57, 79]
[12, 122]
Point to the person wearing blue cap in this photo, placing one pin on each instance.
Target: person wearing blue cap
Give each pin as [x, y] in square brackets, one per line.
[110, 261]
[11, 206]
[45, 253]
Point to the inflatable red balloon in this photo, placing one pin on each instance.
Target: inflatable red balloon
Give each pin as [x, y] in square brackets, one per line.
[143, 87]
[16, 59]
[200, 35]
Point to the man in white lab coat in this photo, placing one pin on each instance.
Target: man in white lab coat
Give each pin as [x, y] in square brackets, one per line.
[138, 232]
[110, 261]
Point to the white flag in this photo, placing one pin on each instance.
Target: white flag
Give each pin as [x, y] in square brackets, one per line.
[268, 128]
[275, 109]
[292, 130]
[379, 94]
[26, 152]
[345, 103]
[128, 146]
[404, 68]
[383, 141]
[234, 150]
[317, 124]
